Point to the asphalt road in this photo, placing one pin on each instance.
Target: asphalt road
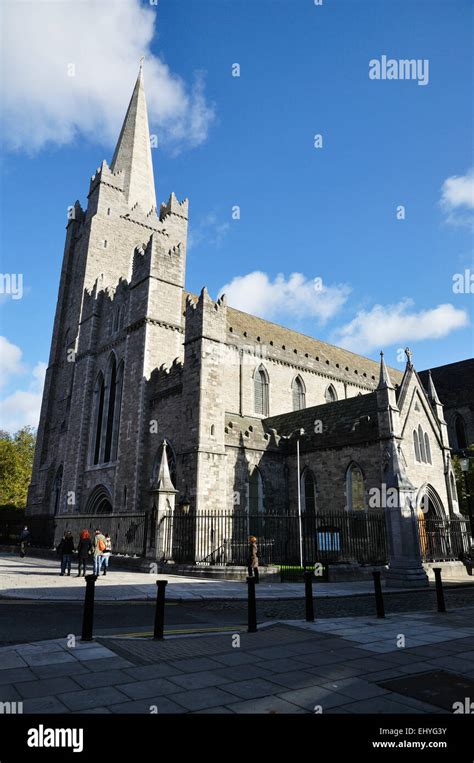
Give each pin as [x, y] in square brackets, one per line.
[24, 621]
[29, 620]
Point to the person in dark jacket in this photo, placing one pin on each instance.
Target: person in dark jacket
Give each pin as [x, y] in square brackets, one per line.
[65, 549]
[25, 536]
[84, 549]
[252, 561]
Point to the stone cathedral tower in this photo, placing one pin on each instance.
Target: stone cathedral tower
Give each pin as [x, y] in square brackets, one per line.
[119, 316]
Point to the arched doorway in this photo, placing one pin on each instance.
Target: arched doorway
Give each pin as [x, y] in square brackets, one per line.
[433, 528]
[99, 501]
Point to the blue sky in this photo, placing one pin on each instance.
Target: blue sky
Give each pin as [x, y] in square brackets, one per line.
[328, 213]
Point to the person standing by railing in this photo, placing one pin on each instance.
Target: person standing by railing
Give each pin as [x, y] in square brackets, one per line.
[25, 536]
[65, 549]
[252, 561]
[83, 550]
[99, 548]
[106, 554]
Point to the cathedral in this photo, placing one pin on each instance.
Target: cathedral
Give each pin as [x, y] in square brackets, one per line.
[156, 398]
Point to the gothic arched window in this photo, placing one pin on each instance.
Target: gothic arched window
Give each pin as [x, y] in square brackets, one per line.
[298, 394]
[330, 395]
[421, 442]
[98, 415]
[460, 432]
[260, 382]
[452, 483]
[255, 509]
[112, 394]
[427, 449]
[355, 488]
[117, 412]
[416, 445]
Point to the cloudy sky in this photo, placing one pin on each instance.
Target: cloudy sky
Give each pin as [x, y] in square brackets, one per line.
[355, 242]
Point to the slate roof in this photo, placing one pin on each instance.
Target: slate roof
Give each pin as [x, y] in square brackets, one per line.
[454, 383]
[330, 359]
[344, 422]
[348, 362]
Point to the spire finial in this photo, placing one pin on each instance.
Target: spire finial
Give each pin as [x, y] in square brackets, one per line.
[409, 355]
[384, 378]
[142, 58]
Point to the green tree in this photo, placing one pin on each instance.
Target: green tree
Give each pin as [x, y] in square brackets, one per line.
[16, 464]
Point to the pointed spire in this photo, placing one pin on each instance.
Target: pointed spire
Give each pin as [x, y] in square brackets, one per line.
[384, 378]
[133, 152]
[164, 480]
[432, 394]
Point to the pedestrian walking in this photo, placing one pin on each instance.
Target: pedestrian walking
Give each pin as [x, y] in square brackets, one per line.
[65, 550]
[84, 549]
[25, 536]
[99, 548]
[252, 561]
[106, 554]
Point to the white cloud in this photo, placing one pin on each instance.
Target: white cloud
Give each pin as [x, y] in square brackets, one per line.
[10, 361]
[383, 326]
[22, 407]
[457, 199]
[103, 42]
[297, 297]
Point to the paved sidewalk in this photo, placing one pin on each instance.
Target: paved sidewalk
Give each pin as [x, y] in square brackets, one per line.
[345, 665]
[32, 578]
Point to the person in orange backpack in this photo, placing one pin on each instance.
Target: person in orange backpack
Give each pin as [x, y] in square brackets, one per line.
[99, 548]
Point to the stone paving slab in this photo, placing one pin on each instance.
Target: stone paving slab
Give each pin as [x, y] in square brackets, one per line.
[289, 667]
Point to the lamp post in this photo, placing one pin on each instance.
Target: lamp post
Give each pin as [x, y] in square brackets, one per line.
[464, 462]
[299, 433]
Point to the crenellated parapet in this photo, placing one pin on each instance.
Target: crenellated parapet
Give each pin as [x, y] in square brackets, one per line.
[105, 175]
[175, 207]
[156, 258]
[165, 379]
[205, 317]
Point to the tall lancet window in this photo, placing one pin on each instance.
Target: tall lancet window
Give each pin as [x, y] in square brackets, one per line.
[416, 445]
[421, 441]
[298, 393]
[460, 432]
[260, 382]
[355, 488]
[112, 390]
[98, 416]
[330, 395]
[117, 412]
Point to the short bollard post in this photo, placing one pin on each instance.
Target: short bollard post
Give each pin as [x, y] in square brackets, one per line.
[308, 592]
[252, 606]
[88, 615]
[439, 589]
[378, 595]
[160, 609]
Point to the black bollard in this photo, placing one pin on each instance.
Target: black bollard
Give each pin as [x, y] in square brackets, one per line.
[378, 595]
[88, 615]
[308, 592]
[439, 589]
[252, 606]
[160, 609]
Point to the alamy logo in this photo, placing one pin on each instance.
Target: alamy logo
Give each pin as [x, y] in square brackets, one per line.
[46, 737]
[403, 68]
[11, 708]
[466, 707]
